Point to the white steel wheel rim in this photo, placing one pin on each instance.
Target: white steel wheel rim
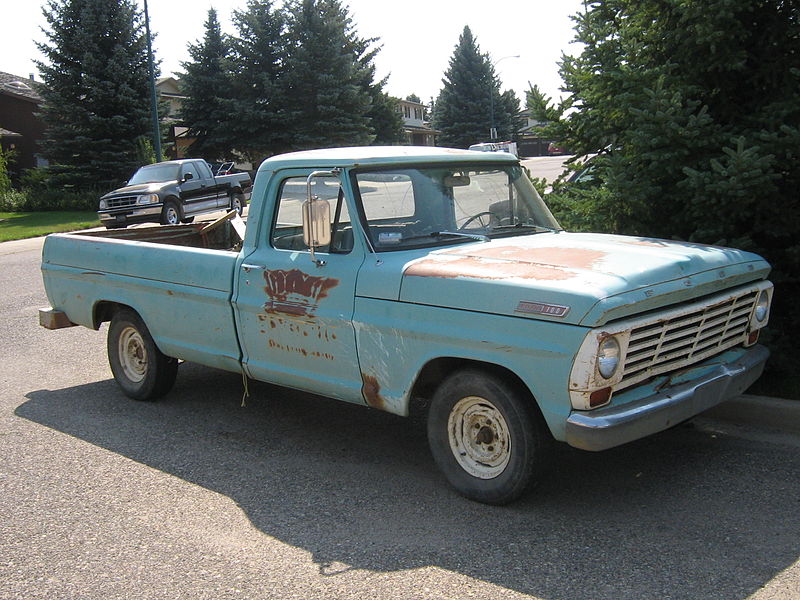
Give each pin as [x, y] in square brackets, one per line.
[132, 355]
[479, 437]
[172, 215]
[237, 204]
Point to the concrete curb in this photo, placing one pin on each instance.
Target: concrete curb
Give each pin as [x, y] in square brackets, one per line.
[759, 411]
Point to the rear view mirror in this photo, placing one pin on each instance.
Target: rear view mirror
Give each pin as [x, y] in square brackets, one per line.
[317, 217]
[316, 222]
[456, 180]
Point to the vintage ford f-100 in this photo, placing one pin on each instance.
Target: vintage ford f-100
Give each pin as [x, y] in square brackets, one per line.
[404, 277]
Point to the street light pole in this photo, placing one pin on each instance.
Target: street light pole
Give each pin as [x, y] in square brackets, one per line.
[153, 100]
[493, 129]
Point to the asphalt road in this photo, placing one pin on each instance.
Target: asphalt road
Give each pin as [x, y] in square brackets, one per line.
[293, 496]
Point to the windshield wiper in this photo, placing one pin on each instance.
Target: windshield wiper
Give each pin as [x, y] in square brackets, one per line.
[541, 228]
[459, 234]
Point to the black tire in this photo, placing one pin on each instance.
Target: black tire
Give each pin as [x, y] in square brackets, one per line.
[116, 225]
[171, 213]
[187, 220]
[238, 202]
[139, 367]
[487, 437]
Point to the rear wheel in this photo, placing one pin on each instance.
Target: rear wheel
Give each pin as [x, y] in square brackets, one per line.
[171, 213]
[237, 202]
[487, 437]
[139, 367]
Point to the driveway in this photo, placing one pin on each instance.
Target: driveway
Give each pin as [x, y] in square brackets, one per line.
[287, 495]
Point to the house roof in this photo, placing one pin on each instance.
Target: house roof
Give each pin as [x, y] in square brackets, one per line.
[21, 87]
[8, 133]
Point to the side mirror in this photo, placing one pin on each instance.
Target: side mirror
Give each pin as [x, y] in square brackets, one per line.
[316, 222]
[187, 176]
[317, 217]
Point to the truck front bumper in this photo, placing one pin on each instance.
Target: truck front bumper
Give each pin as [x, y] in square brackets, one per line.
[615, 425]
[133, 214]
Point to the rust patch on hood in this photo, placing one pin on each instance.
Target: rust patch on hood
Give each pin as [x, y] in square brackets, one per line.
[566, 258]
[478, 268]
[295, 292]
[371, 390]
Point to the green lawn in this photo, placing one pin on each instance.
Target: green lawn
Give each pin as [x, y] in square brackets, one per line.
[17, 226]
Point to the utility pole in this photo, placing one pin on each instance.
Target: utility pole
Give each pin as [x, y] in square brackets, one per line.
[493, 129]
[153, 99]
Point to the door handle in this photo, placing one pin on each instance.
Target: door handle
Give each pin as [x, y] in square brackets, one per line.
[247, 268]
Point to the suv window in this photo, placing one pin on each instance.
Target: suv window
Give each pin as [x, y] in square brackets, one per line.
[205, 172]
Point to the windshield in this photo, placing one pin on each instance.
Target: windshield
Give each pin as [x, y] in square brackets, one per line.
[426, 206]
[155, 174]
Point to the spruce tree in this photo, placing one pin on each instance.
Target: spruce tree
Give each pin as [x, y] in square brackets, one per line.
[259, 116]
[327, 102]
[96, 100]
[470, 97]
[695, 109]
[209, 108]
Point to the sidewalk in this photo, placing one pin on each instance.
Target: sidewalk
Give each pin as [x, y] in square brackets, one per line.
[759, 411]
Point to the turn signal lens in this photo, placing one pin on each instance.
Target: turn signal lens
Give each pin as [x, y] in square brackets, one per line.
[599, 397]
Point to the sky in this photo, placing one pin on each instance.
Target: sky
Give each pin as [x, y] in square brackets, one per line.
[418, 37]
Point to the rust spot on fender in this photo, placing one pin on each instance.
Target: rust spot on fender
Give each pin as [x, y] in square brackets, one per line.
[478, 268]
[295, 292]
[170, 293]
[371, 390]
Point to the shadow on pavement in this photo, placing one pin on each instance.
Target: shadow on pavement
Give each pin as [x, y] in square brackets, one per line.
[683, 514]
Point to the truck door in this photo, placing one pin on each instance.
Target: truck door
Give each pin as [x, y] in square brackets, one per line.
[294, 315]
[196, 194]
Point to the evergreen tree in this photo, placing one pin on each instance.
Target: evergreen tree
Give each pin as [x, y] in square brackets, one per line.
[695, 107]
[384, 115]
[209, 109]
[541, 106]
[508, 120]
[328, 103]
[470, 98]
[258, 122]
[96, 99]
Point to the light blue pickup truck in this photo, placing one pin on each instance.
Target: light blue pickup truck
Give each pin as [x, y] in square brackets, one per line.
[427, 279]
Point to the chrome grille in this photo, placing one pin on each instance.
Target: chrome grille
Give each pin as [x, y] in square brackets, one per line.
[687, 336]
[121, 201]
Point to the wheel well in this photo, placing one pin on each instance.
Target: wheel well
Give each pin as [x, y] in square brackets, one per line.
[437, 369]
[105, 310]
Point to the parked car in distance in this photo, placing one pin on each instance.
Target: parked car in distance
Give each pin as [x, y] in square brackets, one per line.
[556, 148]
[509, 147]
[172, 192]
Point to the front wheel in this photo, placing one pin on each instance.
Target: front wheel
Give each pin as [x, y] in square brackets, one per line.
[139, 367]
[170, 214]
[487, 437]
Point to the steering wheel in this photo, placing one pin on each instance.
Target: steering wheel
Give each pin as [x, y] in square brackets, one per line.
[479, 218]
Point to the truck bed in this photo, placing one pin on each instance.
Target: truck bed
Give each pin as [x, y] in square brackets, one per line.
[195, 235]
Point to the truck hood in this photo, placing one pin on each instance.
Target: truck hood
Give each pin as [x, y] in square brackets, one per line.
[579, 278]
[141, 188]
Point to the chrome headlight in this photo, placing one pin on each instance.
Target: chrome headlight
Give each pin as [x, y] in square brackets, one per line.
[762, 307]
[608, 353]
[147, 199]
[103, 205]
